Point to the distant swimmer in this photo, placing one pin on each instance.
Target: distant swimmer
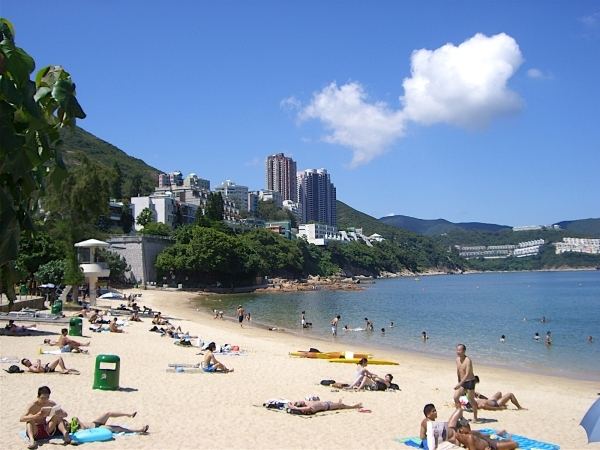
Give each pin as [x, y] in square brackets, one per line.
[369, 324]
[548, 338]
[543, 319]
[537, 336]
[590, 339]
[391, 324]
[334, 325]
[383, 331]
[524, 319]
[424, 336]
[502, 338]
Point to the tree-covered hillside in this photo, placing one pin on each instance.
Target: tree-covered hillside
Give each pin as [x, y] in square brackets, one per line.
[79, 140]
[422, 249]
[436, 227]
[587, 226]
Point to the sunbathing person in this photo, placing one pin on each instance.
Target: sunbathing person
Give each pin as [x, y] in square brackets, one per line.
[312, 407]
[474, 440]
[371, 381]
[114, 328]
[13, 328]
[35, 416]
[67, 344]
[210, 362]
[49, 367]
[159, 320]
[100, 422]
[498, 401]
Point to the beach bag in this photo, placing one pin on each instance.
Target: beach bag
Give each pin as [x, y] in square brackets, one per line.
[311, 350]
[14, 369]
[327, 382]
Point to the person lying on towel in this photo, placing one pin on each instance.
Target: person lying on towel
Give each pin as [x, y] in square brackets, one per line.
[312, 407]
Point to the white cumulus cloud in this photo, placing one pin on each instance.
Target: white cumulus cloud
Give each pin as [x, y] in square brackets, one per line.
[367, 128]
[463, 85]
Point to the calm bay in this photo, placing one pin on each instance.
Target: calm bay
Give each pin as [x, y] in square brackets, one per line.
[474, 309]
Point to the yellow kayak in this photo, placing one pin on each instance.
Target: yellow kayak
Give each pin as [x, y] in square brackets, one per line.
[380, 362]
[328, 355]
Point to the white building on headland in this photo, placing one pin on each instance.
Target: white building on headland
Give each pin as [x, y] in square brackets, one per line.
[235, 192]
[320, 234]
[578, 245]
[536, 227]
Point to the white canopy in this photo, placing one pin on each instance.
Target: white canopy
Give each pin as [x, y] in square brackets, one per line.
[92, 243]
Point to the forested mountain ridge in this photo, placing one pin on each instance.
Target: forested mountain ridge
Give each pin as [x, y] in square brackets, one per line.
[437, 226]
[79, 140]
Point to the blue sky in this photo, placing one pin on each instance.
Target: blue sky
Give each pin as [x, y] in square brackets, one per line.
[468, 111]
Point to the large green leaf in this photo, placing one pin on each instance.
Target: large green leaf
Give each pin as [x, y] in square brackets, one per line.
[9, 228]
[18, 62]
[9, 140]
[11, 93]
[64, 93]
[29, 103]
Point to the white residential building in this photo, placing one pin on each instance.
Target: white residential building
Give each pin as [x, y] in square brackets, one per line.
[579, 245]
[235, 192]
[165, 209]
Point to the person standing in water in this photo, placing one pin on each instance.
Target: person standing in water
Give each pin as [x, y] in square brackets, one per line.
[303, 319]
[334, 325]
[240, 313]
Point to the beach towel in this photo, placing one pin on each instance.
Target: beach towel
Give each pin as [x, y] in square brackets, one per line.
[58, 352]
[524, 442]
[9, 359]
[23, 434]
[184, 370]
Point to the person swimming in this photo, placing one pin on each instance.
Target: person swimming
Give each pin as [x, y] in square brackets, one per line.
[537, 336]
[502, 338]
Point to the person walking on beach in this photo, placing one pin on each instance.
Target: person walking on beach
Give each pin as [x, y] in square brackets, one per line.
[334, 325]
[466, 379]
[240, 313]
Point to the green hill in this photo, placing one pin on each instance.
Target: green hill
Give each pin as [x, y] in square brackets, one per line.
[79, 140]
[586, 226]
[428, 254]
[436, 227]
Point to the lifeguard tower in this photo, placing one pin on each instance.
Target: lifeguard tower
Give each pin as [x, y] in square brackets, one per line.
[92, 270]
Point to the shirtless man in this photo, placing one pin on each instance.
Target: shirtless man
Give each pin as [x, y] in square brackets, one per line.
[35, 416]
[473, 440]
[13, 328]
[49, 367]
[114, 328]
[334, 325]
[303, 319]
[240, 313]
[466, 379]
[369, 324]
[210, 362]
[67, 344]
[498, 401]
[101, 422]
[312, 407]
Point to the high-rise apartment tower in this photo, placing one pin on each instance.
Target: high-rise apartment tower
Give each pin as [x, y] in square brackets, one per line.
[281, 176]
[317, 194]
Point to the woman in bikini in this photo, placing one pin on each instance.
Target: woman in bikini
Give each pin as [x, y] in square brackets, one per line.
[101, 422]
[498, 401]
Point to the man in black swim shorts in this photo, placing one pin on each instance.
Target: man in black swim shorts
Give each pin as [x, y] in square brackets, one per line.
[466, 379]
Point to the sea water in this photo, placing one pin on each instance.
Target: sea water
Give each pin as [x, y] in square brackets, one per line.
[474, 309]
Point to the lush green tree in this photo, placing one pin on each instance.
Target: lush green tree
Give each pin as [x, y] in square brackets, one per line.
[270, 212]
[117, 180]
[31, 116]
[157, 229]
[135, 186]
[276, 252]
[126, 218]
[51, 272]
[145, 217]
[37, 251]
[116, 263]
[214, 207]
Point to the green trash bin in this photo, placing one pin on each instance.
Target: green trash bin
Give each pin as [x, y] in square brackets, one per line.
[106, 374]
[75, 326]
[23, 290]
[56, 306]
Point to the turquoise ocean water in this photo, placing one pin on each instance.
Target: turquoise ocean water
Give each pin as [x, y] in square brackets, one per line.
[473, 309]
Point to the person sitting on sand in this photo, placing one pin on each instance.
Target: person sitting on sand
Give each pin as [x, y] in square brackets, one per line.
[35, 416]
[100, 422]
[210, 362]
[312, 407]
[474, 440]
[159, 320]
[67, 344]
[12, 328]
[49, 367]
[430, 416]
[365, 378]
[135, 317]
[114, 328]
[498, 401]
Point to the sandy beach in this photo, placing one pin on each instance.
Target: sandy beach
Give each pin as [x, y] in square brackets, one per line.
[200, 410]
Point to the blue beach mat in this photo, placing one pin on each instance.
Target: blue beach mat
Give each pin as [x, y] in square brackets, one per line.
[114, 435]
[524, 443]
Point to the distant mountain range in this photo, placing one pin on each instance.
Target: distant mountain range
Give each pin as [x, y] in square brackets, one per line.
[440, 226]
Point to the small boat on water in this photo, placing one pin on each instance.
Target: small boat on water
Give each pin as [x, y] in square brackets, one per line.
[416, 279]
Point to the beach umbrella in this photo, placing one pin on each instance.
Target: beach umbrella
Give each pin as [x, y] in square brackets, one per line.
[47, 286]
[114, 295]
[591, 422]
